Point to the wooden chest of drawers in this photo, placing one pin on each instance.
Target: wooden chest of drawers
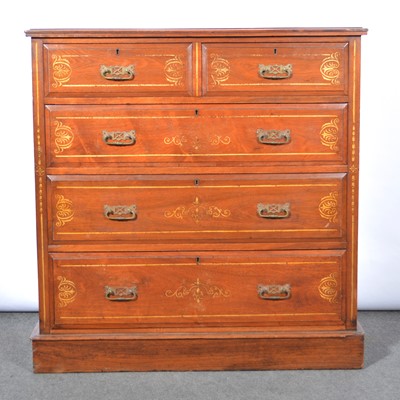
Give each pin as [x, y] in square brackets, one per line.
[196, 199]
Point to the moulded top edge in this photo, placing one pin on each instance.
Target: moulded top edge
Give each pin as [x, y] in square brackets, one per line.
[168, 33]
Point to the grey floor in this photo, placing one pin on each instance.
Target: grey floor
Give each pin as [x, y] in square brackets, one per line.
[380, 379]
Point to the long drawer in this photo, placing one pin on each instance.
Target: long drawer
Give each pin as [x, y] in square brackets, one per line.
[140, 69]
[156, 208]
[139, 290]
[263, 68]
[95, 135]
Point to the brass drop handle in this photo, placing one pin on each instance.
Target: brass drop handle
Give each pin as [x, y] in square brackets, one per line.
[275, 71]
[120, 293]
[273, 136]
[117, 72]
[273, 211]
[120, 213]
[274, 292]
[119, 138]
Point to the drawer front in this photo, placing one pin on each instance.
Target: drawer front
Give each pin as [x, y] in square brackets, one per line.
[157, 208]
[96, 135]
[213, 289]
[260, 68]
[109, 69]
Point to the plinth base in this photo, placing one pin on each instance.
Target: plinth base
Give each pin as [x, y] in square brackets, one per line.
[195, 351]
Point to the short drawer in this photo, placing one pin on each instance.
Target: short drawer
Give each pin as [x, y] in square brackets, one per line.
[108, 69]
[135, 291]
[95, 135]
[192, 208]
[260, 68]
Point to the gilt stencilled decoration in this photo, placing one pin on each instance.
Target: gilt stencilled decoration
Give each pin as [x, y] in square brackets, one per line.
[220, 69]
[328, 207]
[66, 291]
[61, 70]
[198, 290]
[178, 140]
[40, 171]
[330, 68]
[64, 137]
[216, 140]
[174, 70]
[329, 134]
[328, 288]
[197, 211]
[196, 142]
[64, 213]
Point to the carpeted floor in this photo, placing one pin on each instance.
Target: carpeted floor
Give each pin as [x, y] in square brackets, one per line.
[380, 379]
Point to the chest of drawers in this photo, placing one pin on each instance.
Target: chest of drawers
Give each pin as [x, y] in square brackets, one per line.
[196, 199]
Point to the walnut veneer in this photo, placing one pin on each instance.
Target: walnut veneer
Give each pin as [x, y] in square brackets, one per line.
[197, 197]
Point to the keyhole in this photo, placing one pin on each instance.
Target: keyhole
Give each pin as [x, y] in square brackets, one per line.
[196, 182]
[275, 51]
[117, 52]
[196, 112]
[198, 260]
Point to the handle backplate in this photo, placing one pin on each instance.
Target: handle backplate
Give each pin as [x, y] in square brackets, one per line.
[119, 138]
[273, 211]
[274, 292]
[120, 293]
[273, 136]
[275, 71]
[120, 213]
[117, 72]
